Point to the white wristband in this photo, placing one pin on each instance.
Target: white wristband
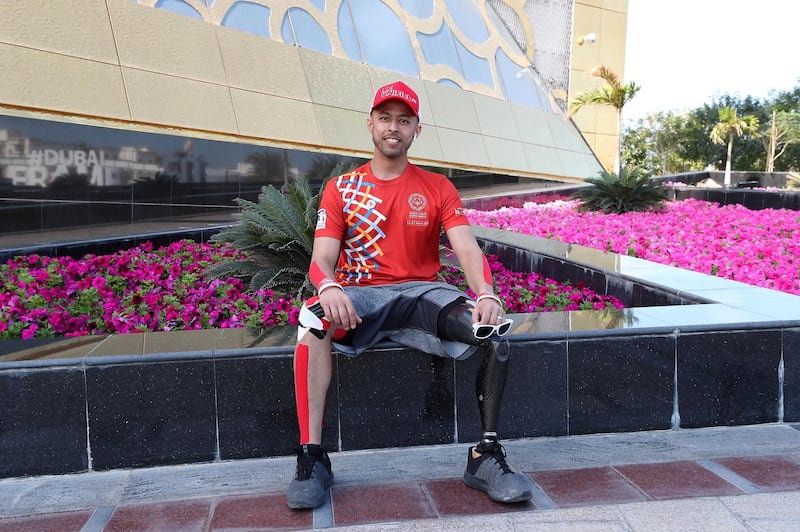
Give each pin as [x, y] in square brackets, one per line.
[329, 284]
[489, 296]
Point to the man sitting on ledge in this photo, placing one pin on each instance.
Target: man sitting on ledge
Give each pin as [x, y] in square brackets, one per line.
[374, 264]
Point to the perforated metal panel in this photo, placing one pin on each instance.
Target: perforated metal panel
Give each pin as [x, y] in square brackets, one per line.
[512, 22]
[551, 21]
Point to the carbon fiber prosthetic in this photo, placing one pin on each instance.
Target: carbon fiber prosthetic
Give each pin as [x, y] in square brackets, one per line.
[455, 323]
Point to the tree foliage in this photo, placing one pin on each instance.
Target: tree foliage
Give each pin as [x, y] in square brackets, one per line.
[782, 131]
[655, 145]
[71, 179]
[692, 148]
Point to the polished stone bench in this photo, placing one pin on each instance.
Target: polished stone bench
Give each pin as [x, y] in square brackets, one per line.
[690, 350]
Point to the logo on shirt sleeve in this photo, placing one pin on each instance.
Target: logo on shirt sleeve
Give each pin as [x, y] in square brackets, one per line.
[322, 219]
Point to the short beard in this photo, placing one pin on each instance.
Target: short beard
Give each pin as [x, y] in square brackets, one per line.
[381, 146]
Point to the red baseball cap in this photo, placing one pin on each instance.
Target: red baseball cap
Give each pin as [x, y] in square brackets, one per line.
[397, 91]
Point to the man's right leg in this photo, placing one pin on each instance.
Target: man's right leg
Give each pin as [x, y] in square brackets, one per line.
[312, 376]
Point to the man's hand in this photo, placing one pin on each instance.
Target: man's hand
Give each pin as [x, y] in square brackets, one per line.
[339, 309]
[488, 308]
[487, 311]
[337, 305]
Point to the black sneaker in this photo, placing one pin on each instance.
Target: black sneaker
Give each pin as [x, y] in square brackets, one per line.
[491, 473]
[312, 479]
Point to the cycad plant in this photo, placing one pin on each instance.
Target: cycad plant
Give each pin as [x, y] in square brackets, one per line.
[628, 191]
[277, 234]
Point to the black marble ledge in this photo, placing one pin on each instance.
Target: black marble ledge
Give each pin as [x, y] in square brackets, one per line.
[567, 377]
[752, 199]
[730, 378]
[791, 374]
[43, 420]
[144, 347]
[151, 414]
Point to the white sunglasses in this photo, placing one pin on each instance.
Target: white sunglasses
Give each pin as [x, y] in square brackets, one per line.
[484, 330]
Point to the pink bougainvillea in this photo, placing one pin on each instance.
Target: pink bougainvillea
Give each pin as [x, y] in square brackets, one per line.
[760, 248]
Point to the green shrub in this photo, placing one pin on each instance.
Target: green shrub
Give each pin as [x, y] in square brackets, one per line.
[629, 191]
[277, 233]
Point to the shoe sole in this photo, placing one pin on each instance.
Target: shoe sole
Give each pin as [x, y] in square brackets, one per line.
[478, 484]
[306, 505]
[310, 505]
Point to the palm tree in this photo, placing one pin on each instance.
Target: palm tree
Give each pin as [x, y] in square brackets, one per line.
[730, 124]
[613, 93]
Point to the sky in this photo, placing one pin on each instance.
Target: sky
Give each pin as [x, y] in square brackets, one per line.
[683, 53]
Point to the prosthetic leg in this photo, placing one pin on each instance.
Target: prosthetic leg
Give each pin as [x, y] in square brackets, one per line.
[455, 323]
[487, 469]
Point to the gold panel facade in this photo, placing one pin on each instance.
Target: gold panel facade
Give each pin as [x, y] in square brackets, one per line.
[297, 73]
[606, 20]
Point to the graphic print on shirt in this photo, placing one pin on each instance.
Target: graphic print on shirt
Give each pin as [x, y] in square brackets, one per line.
[363, 219]
[417, 215]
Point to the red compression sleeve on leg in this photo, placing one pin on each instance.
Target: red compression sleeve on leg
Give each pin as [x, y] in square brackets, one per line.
[301, 390]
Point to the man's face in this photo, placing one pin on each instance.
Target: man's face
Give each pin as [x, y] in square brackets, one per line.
[393, 126]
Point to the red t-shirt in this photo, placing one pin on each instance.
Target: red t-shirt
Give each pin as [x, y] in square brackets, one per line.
[389, 229]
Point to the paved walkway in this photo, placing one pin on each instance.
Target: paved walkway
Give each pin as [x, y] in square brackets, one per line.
[726, 478]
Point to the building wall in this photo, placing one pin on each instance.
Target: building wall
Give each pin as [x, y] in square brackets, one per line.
[122, 64]
[607, 19]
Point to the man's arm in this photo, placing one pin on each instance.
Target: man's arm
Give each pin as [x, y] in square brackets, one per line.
[479, 279]
[337, 305]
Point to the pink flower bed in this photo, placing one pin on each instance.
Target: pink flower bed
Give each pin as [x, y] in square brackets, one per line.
[133, 290]
[142, 289]
[760, 248]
